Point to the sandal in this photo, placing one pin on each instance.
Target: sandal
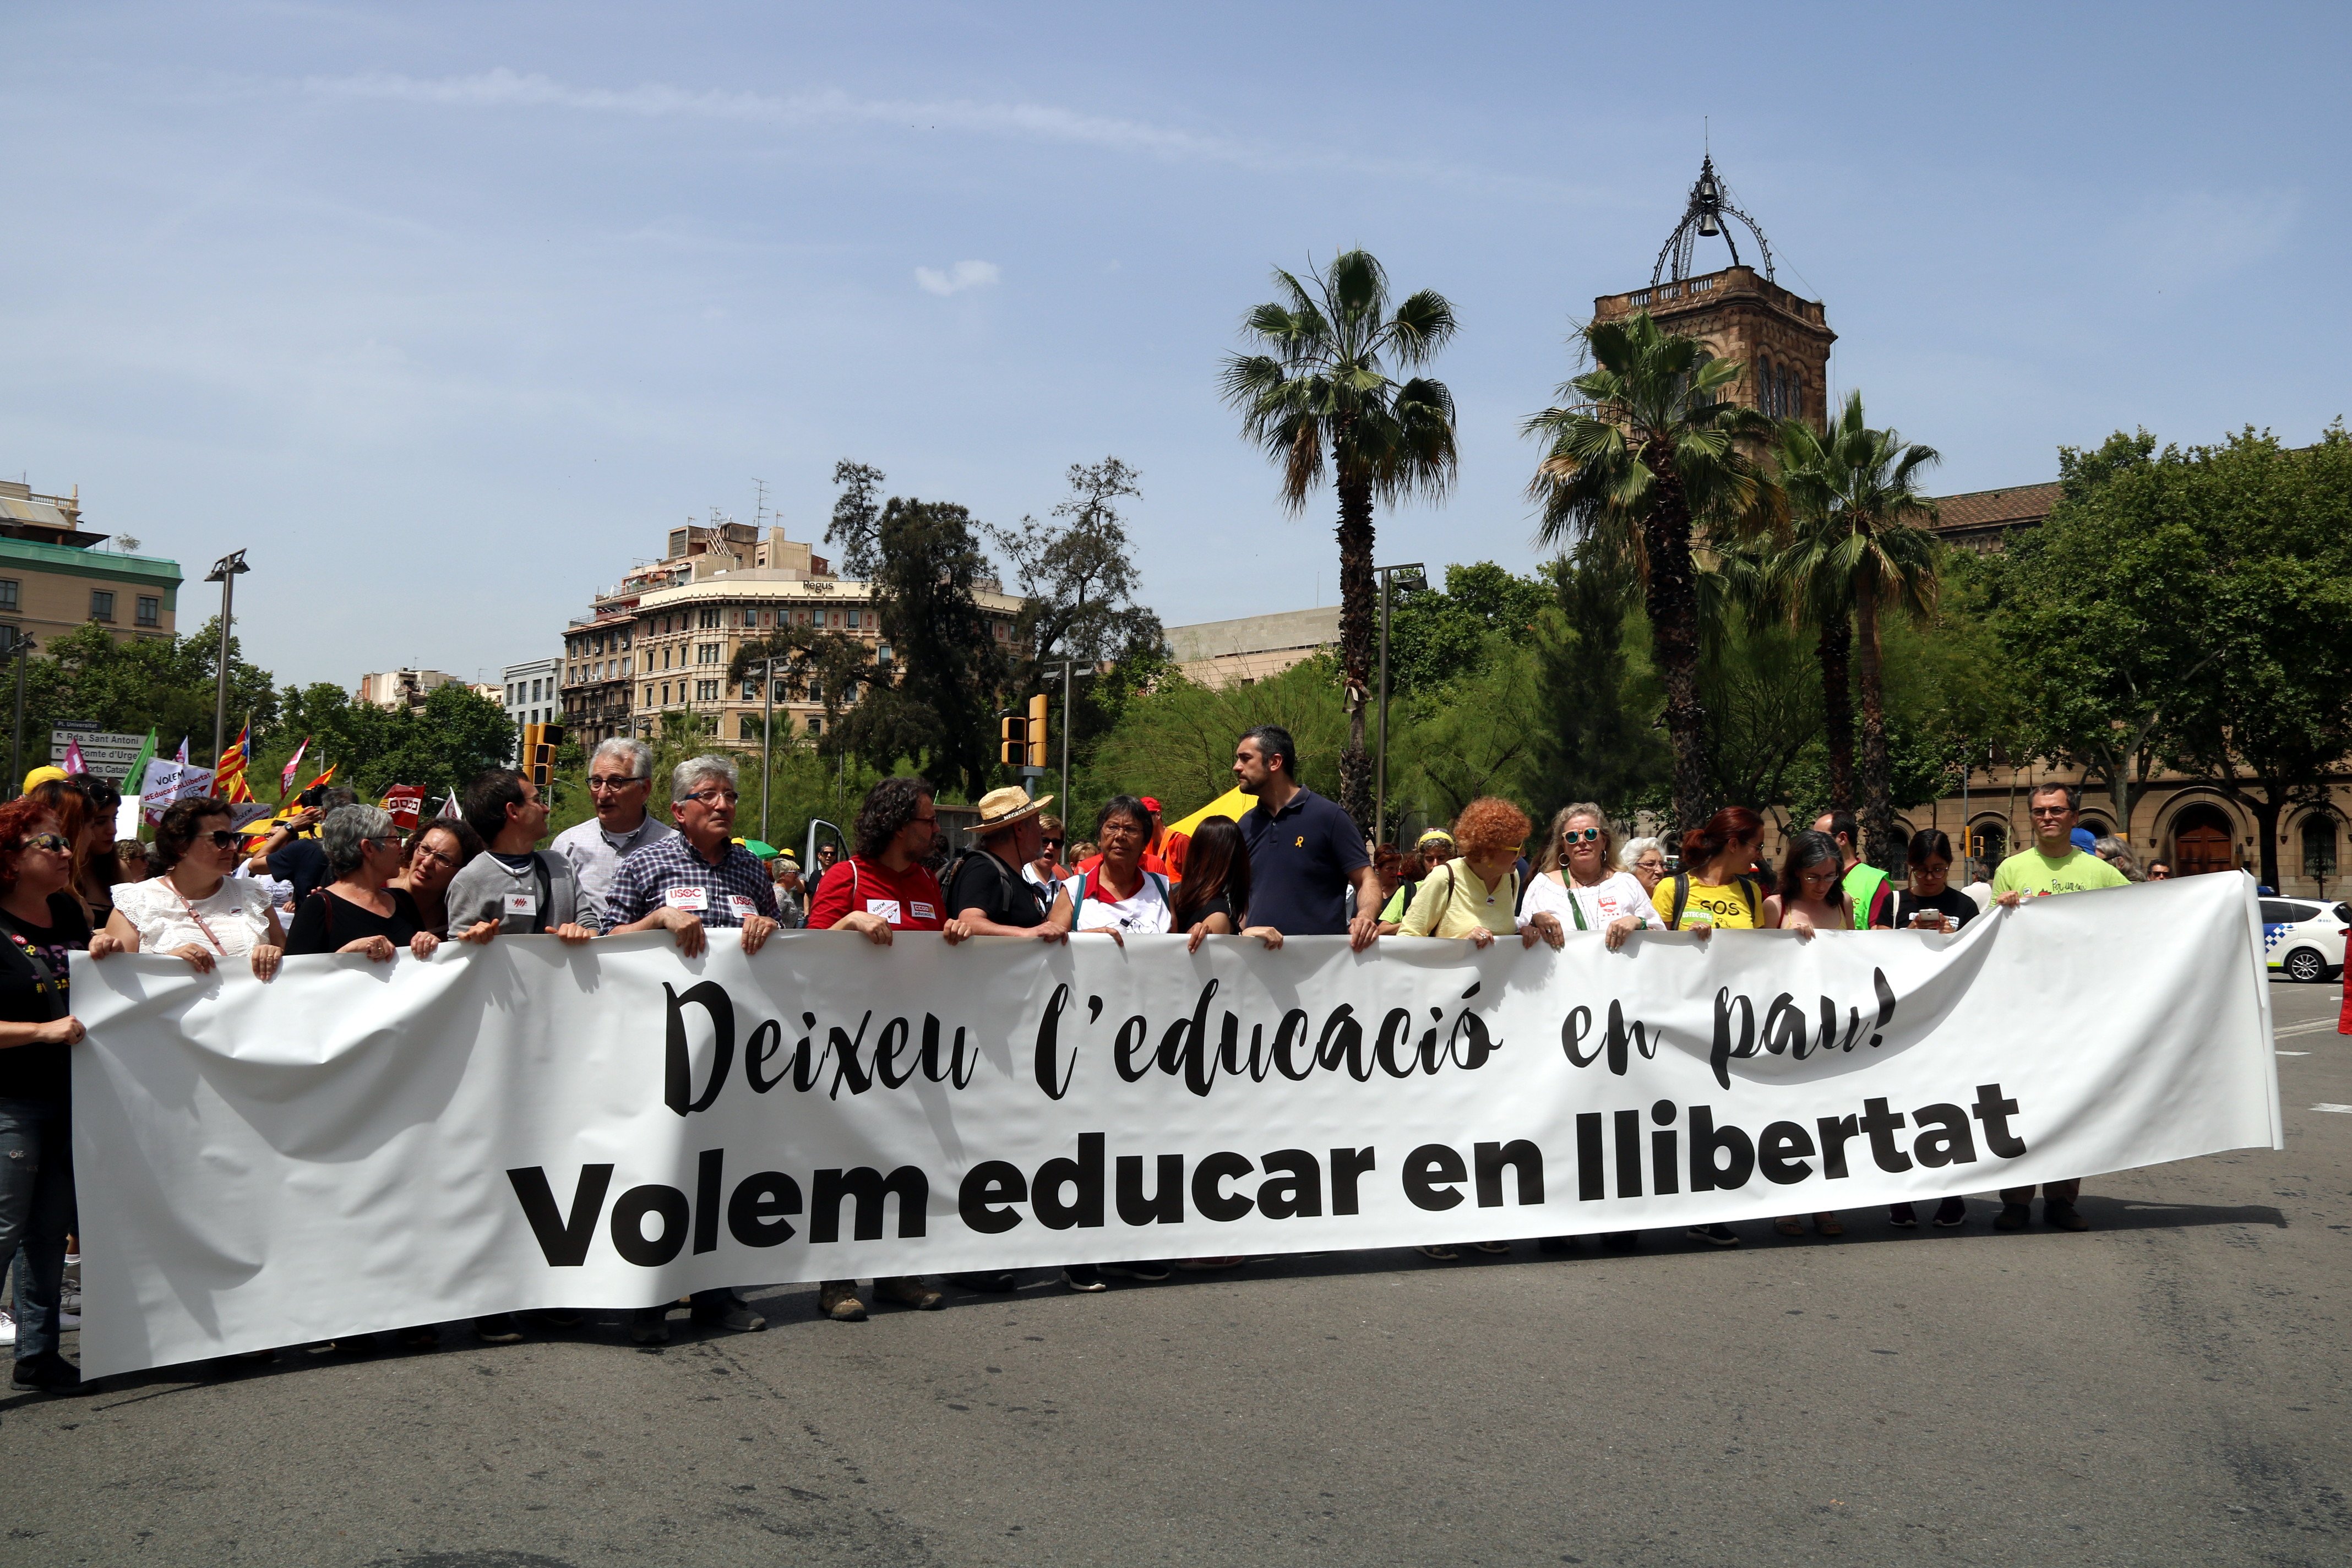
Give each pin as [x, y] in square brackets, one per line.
[1441, 1253]
[1829, 1224]
[1790, 1227]
[1500, 1248]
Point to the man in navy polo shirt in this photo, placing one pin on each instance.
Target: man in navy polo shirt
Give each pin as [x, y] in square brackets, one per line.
[1303, 850]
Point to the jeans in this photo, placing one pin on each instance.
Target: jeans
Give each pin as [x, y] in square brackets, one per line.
[37, 1211]
[2060, 1193]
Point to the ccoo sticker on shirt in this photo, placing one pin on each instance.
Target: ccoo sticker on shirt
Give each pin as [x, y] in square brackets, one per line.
[695, 898]
[923, 912]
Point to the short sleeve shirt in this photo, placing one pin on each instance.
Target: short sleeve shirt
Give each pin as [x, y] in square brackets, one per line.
[2037, 876]
[303, 862]
[904, 900]
[669, 873]
[1302, 860]
[984, 883]
[1095, 906]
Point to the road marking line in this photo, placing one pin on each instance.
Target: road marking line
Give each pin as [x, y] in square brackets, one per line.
[2324, 1025]
[2347, 1109]
[2294, 1053]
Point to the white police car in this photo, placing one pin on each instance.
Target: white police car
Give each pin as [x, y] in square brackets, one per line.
[2304, 938]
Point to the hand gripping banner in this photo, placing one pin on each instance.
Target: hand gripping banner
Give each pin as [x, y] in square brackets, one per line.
[362, 1146]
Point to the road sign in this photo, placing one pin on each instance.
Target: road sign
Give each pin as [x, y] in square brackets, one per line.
[107, 754]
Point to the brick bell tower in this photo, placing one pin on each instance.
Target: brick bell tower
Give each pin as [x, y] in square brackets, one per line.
[1781, 341]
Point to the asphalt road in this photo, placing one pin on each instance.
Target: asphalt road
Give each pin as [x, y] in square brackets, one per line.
[2171, 1387]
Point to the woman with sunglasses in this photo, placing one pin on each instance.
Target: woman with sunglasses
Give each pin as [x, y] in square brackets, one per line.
[195, 909]
[43, 923]
[358, 911]
[1048, 870]
[1574, 881]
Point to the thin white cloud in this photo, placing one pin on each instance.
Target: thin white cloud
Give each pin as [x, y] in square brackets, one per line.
[506, 89]
[2189, 237]
[963, 275]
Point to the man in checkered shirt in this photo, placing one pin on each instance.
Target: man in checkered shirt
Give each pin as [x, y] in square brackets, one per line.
[700, 878]
[685, 884]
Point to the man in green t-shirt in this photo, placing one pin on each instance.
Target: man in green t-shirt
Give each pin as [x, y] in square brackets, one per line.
[2051, 866]
[1866, 887]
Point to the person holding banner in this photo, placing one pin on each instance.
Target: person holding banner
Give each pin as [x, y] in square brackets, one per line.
[990, 895]
[195, 909]
[358, 912]
[437, 851]
[1574, 884]
[620, 781]
[1121, 895]
[1305, 852]
[1475, 895]
[2052, 864]
[44, 923]
[515, 888]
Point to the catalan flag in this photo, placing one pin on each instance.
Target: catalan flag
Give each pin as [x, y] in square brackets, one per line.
[228, 773]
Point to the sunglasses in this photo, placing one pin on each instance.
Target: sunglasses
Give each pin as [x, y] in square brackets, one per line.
[222, 837]
[1053, 844]
[55, 843]
[1580, 834]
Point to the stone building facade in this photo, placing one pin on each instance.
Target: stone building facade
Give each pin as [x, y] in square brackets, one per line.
[1782, 339]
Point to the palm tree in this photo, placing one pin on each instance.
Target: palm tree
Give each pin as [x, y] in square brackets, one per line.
[1322, 383]
[1856, 545]
[1650, 453]
[1793, 584]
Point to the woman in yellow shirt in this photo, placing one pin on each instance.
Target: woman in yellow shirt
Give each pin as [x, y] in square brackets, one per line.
[1476, 894]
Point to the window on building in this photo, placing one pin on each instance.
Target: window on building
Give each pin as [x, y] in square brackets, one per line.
[882, 652]
[816, 725]
[151, 610]
[781, 692]
[664, 693]
[102, 603]
[853, 619]
[848, 693]
[705, 691]
[750, 729]
[8, 590]
[2319, 849]
[709, 618]
[751, 692]
[649, 696]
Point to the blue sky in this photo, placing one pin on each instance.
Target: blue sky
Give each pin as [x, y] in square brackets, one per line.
[445, 312]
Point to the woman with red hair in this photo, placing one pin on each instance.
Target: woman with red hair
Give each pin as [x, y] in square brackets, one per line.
[1476, 894]
[42, 923]
[1717, 886]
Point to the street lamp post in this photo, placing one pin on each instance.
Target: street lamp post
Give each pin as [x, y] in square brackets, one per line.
[224, 572]
[1414, 579]
[767, 733]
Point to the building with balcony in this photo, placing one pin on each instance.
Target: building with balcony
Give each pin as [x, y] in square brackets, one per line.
[55, 578]
[401, 688]
[532, 695]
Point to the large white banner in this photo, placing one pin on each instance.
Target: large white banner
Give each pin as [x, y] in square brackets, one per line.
[360, 1146]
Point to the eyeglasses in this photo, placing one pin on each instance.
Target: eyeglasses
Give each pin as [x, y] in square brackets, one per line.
[2160, 875]
[2049, 810]
[55, 843]
[1579, 835]
[435, 856]
[716, 796]
[598, 784]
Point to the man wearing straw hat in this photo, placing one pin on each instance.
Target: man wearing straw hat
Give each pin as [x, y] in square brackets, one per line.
[989, 894]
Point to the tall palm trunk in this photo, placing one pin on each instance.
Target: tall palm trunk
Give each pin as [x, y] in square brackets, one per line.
[1672, 599]
[1355, 644]
[1837, 706]
[1877, 782]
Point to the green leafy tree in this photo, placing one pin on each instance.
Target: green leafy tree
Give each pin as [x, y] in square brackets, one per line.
[168, 683]
[936, 700]
[1436, 635]
[1647, 458]
[456, 734]
[1855, 509]
[1318, 390]
[1598, 737]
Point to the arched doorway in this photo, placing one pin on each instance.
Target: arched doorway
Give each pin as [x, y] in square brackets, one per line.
[1989, 842]
[2201, 842]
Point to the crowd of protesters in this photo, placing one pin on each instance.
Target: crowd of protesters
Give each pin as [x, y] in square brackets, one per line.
[1293, 865]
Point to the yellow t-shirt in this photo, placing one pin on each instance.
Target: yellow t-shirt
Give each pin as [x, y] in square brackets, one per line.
[1726, 907]
[1453, 902]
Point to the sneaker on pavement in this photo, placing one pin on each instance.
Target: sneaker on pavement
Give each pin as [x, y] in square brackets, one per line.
[498, 1328]
[8, 1328]
[734, 1315]
[1712, 1235]
[649, 1326]
[909, 1290]
[1139, 1270]
[1901, 1215]
[1083, 1278]
[1003, 1282]
[2012, 1217]
[1951, 1212]
[556, 1316]
[838, 1300]
[51, 1373]
[2065, 1216]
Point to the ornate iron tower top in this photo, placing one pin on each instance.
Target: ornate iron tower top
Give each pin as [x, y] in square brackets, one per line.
[1710, 204]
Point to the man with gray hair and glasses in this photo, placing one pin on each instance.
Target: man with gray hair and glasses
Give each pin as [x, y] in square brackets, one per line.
[695, 879]
[620, 778]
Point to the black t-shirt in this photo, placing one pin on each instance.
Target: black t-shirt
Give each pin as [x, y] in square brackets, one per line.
[303, 862]
[34, 988]
[1951, 902]
[325, 922]
[984, 883]
[1302, 863]
[1216, 903]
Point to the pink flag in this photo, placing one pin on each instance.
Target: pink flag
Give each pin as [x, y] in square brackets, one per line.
[73, 763]
[286, 781]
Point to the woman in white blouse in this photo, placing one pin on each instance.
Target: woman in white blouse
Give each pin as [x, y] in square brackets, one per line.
[195, 909]
[1118, 897]
[1574, 880]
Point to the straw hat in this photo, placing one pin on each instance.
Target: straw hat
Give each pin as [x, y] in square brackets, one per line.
[1000, 808]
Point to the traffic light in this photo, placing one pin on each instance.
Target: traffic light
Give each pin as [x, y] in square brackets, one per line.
[1038, 731]
[1011, 740]
[539, 743]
